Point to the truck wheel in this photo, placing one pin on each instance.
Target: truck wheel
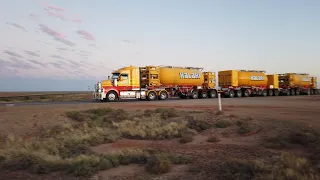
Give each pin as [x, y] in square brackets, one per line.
[276, 92]
[212, 94]
[288, 92]
[194, 95]
[292, 92]
[264, 93]
[297, 92]
[111, 96]
[238, 93]
[182, 96]
[203, 94]
[163, 95]
[311, 91]
[308, 92]
[246, 93]
[270, 92]
[231, 93]
[152, 96]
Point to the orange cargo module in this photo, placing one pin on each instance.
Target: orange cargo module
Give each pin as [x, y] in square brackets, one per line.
[237, 83]
[297, 83]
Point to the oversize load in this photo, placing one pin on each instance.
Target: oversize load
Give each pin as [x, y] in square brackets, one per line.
[184, 75]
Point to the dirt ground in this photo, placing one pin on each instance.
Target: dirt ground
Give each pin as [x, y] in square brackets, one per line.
[273, 114]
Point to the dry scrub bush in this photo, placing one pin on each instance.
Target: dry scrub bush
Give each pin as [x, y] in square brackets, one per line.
[308, 138]
[164, 112]
[198, 125]
[153, 127]
[186, 138]
[66, 147]
[158, 164]
[285, 167]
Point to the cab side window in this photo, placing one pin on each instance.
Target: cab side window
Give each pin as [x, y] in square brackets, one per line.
[124, 76]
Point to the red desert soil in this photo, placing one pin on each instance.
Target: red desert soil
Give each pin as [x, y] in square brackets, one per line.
[273, 114]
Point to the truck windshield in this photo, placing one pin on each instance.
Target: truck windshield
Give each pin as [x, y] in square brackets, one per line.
[115, 75]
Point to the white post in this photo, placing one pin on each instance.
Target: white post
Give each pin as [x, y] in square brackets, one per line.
[219, 99]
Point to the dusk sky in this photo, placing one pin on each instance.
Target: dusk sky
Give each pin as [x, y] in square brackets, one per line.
[71, 44]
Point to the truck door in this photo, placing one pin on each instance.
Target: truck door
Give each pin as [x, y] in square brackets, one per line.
[124, 81]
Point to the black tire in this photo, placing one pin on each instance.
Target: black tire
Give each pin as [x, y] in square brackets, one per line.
[231, 93]
[194, 94]
[292, 92]
[288, 92]
[238, 93]
[264, 93]
[297, 92]
[246, 93]
[152, 96]
[308, 92]
[212, 94]
[163, 95]
[203, 94]
[111, 96]
[311, 92]
[270, 92]
[276, 92]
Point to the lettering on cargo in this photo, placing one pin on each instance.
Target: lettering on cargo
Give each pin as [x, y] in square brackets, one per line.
[256, 78]
[306, 79]
[184, 75]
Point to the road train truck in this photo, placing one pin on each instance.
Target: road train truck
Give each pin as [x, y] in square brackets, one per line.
[297, 83]
[156, 83]
[245, 83]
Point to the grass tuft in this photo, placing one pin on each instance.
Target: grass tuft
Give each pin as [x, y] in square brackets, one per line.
[158, 164]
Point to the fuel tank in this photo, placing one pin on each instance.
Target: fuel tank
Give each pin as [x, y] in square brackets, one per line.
[181, 76]
[238, 78]
[295, 80]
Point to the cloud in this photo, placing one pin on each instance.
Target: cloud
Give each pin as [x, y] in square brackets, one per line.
[17, 26]
[85, 34]
[66, 42]
[31, 53]
[51, 32]
[37, 62]
[57, 57]
[16, 63]
[11, 53]
[57, 64]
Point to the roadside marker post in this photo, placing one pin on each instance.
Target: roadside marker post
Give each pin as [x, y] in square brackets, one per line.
[219, 99]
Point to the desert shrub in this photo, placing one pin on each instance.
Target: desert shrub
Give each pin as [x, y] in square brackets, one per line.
[286, 166]
[165, 113]
[105, 164]
[239, 169]
[99, 111]
[84, 165]
[76, 116]
[44, 97]
[219, 113]
[309, 138]
[223, 123]
[5, 99]
[27, 98]
[213, 139]
[186, 138]
[153, 127]
[178, 159]
[289, 166]
[198, 125]
[245, 129]
[158, 164]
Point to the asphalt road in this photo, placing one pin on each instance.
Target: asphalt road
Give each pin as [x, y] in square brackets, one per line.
[258, 100]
